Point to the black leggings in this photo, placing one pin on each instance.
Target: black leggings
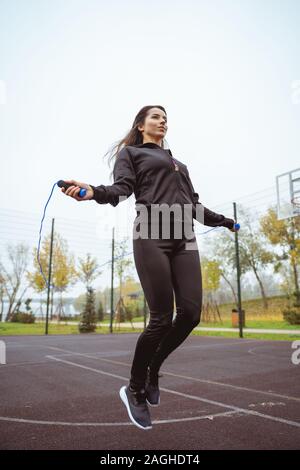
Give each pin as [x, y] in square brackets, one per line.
[164, 265]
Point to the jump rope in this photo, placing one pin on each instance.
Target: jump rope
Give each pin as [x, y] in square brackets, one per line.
[82, 193]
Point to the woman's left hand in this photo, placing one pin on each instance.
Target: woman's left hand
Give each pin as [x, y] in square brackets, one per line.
[233, 229]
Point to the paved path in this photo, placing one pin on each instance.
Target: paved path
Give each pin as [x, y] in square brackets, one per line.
[202, 328]
[246, 330]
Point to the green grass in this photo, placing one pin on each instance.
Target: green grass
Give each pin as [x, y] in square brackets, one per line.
[254, 309]
[256, 317]
[9, 329]
[263, 336]
[268, 324]
[226, 323]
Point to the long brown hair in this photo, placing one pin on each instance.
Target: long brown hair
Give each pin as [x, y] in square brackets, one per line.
[134, 136]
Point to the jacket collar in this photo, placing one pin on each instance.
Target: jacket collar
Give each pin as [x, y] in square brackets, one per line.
[152, 145]
[148, 144]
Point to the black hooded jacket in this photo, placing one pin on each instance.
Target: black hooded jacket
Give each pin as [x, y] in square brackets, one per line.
[155, 177]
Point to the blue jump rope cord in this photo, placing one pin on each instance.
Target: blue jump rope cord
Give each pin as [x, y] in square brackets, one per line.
[38, 250]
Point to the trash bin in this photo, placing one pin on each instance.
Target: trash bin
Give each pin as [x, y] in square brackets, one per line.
[235, 318]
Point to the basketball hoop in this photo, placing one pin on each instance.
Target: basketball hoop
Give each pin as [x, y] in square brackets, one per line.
[288, 194]
[296, 201]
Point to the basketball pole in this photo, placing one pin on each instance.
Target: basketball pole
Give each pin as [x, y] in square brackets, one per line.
[112, 280]
[238, 270]
[49, 276]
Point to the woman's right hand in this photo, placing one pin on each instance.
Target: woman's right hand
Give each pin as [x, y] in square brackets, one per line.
[75, 188]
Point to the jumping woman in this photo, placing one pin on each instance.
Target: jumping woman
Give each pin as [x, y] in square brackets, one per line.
[166, 264]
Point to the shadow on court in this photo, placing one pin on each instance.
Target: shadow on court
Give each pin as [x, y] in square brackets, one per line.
[62, 392]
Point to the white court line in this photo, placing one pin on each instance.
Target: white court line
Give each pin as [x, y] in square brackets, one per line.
[237, 343]
[192, 397]
[236, 387]
[266, 356]
[212, 345]
[15, 364]
[211, 382]
[162, 421]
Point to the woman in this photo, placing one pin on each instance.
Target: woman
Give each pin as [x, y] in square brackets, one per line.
[166, 264]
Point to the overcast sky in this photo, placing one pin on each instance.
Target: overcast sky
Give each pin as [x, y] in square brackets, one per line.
[74, 73]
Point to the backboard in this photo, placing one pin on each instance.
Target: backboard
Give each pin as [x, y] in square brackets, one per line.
[288, 194]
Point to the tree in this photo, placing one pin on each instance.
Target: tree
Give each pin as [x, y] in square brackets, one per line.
[211, 274]
[88, 270]
[100, 312]
[88, 322]
[285, 235]
[87, 273]
[63, 272]
[11, 280]
[222, 251]
[122, 265]
[28, 306]
[253, 250]
[253, 253]
[2, 281]
[122, 313]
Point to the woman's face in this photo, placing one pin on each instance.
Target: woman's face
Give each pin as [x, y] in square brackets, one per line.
[155, 125]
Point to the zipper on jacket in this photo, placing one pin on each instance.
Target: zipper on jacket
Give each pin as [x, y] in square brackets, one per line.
[175, 165]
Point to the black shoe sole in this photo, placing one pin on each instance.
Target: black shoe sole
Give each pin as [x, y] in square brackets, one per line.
[124, 399]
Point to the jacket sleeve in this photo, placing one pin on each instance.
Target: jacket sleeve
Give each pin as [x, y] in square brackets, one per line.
[212, 219]
[124, 181]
